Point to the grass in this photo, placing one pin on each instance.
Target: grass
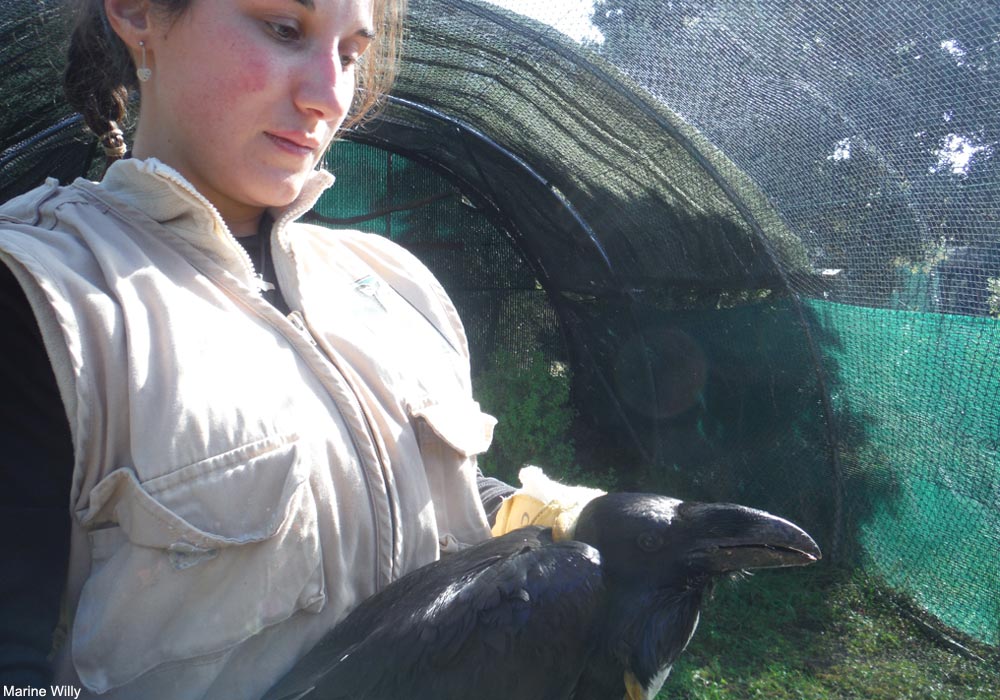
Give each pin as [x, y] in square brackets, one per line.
[821, 632]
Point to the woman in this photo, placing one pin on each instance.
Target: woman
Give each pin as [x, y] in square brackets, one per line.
[267, 421]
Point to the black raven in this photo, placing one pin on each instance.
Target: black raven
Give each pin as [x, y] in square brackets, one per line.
[600, 617]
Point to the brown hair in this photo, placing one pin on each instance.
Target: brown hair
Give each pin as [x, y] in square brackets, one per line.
[377, 69]
[100, 72]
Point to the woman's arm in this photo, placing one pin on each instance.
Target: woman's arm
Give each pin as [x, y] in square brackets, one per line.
[492, 492]
[36, 466]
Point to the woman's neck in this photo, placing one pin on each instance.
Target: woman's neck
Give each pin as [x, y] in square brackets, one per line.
[244, 225]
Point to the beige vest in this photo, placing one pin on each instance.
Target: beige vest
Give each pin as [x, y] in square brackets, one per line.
[242, 479]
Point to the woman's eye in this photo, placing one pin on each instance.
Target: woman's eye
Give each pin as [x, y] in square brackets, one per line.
[283, 32]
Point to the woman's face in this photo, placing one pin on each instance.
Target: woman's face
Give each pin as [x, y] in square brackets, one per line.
[245, 95]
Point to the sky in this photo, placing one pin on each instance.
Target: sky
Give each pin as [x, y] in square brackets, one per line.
[571, 17]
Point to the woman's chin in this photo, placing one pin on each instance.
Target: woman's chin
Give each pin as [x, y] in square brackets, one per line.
[280, 192]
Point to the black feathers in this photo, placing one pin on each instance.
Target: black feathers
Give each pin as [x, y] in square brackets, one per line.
[523, 616]
[440, 631]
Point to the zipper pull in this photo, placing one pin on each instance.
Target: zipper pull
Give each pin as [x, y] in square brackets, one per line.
[262, 285]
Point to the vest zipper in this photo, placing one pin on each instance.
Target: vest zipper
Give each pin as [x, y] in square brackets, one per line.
[298, 321]
[168, 174]
[300, 325]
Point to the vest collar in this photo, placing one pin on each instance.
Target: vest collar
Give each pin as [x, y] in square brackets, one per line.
[163, 194]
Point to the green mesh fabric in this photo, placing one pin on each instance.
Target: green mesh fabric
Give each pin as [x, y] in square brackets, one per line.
[764, 237]
[917, 391]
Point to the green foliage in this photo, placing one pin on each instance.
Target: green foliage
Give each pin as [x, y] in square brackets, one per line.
[530, 397]
[993, 288]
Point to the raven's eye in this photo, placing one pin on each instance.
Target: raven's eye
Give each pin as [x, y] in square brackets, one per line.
[649, 541]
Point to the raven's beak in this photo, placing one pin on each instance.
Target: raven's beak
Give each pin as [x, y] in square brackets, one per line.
[731, 538]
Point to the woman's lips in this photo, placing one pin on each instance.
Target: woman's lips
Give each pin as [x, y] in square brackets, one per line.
[294, 143]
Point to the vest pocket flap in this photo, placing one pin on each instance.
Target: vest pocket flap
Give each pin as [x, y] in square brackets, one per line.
[461, 424]
[200, 560]
[238, 497]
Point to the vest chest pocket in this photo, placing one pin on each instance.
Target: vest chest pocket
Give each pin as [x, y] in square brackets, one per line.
[453, 427]
[192, 563]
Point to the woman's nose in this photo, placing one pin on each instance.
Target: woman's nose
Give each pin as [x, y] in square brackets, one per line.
[325, 85]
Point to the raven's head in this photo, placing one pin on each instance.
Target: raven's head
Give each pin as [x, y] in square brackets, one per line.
[659, 554]
[658, 541]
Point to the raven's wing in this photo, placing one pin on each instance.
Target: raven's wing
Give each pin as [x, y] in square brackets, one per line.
[513, 614]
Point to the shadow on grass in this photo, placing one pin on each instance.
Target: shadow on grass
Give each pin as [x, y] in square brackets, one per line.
[822, 632]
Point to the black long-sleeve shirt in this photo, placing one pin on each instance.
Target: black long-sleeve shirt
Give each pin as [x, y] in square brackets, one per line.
[36, 469]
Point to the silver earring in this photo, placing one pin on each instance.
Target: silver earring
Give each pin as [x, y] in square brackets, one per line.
[143, 72]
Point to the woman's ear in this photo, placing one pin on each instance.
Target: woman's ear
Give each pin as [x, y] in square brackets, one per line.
[130, 20]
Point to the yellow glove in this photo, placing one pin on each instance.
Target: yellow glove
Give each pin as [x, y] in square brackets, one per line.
[542, 501]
